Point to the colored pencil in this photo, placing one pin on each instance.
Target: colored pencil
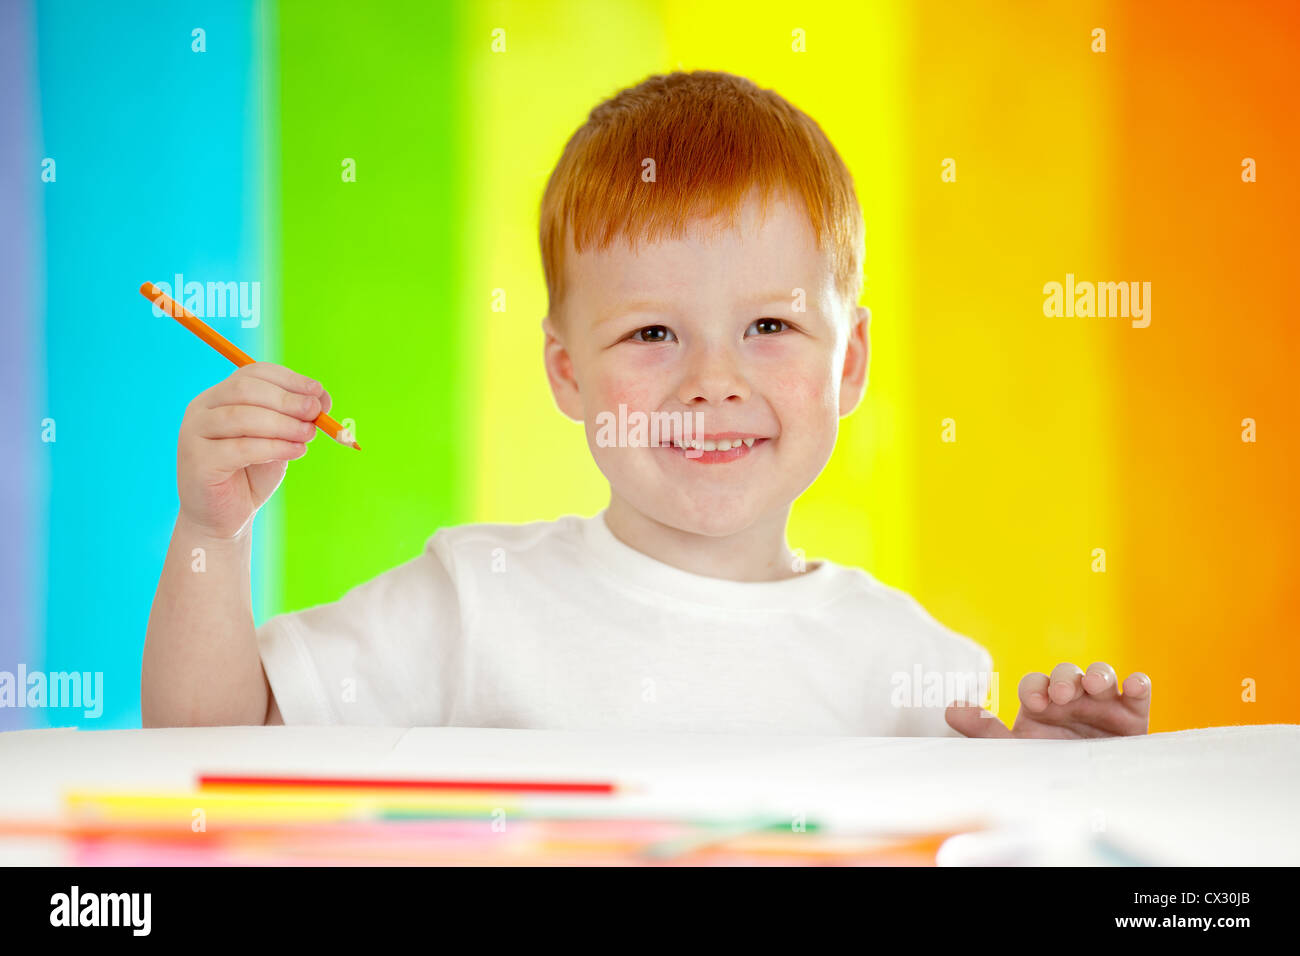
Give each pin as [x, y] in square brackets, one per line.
[399, 783]
[242, 806]
[227, 348]
[692, 842]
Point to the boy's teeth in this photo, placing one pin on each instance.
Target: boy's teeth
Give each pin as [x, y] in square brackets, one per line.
[720, 445]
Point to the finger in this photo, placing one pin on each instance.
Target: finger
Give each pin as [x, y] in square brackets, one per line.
[325, 401]
[251, 390]
[286, 378]
[1100, 682]
[1033, 692]
[233, 454]
[974, 721]
[1137, 693]
[253, 421]
[1067, 683]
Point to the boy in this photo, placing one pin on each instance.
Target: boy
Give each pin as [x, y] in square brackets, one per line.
[702, 244]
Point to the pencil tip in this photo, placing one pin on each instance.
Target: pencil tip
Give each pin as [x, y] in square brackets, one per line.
[356, 446]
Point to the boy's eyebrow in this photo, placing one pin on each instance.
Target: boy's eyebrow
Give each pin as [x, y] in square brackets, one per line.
[654, 305]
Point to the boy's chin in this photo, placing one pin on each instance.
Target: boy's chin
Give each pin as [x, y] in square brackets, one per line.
[715, 519]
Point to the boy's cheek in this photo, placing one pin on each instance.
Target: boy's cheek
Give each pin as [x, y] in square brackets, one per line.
[613, 390]
[809, 390]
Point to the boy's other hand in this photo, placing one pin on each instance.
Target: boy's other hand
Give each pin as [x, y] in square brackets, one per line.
[1070, 705]
[236, 441]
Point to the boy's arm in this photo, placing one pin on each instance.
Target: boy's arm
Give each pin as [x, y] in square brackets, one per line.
[201, 665]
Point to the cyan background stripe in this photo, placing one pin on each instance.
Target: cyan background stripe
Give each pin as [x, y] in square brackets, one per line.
[159, 171]
[20, 478]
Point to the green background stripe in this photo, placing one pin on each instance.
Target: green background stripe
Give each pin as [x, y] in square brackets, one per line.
[370, 292]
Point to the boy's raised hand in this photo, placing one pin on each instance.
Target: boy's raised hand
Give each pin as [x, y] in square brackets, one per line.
[1070, 705]
[236, 441]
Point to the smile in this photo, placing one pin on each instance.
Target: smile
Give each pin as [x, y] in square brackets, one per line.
[715, 451]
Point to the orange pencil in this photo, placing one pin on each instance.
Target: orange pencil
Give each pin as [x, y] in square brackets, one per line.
[223, 345]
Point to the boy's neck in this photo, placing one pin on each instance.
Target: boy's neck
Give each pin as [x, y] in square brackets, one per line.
[758, 553]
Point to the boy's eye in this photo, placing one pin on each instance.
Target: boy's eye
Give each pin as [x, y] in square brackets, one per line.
[653, 333]
[767, 326]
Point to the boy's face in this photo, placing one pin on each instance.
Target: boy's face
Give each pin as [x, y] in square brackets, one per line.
[712, 326]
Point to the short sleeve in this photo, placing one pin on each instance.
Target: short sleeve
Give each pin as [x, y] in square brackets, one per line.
[966, 668]
[383, 654]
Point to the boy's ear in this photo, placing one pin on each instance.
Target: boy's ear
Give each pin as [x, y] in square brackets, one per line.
[559, 372]
[857, 359]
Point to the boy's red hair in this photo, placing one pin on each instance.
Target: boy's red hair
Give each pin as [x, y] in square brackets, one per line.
[713, 137]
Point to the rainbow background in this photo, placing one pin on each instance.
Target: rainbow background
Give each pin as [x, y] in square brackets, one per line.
[1072, 433]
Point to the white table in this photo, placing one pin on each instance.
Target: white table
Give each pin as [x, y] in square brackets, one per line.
[1214, 796]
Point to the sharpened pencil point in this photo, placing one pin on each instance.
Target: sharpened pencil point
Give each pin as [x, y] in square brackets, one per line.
[356, 446]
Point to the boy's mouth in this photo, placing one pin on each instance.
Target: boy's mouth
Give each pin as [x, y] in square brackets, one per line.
[715, 450]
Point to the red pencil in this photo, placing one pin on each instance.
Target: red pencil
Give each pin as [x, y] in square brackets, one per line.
[390, 783]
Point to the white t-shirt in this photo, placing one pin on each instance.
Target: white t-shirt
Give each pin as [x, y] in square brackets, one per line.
[560, 625]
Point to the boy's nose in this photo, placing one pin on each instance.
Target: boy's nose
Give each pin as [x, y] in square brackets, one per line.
[713, 375]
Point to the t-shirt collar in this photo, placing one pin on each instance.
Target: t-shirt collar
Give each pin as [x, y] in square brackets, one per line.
[638, 571]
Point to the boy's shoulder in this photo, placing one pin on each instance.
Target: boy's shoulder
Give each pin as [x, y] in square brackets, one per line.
[901, 607]
[564, 532]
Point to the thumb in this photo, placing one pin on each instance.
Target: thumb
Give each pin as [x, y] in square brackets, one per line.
[264, 478]
[974, 721]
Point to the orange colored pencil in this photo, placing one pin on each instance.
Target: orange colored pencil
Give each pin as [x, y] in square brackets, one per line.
[226, 347]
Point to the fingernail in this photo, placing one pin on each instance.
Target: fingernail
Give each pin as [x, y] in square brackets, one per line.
[1037, 699]
[1063, 689]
